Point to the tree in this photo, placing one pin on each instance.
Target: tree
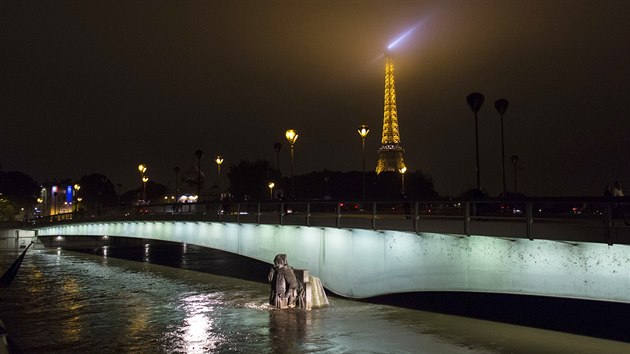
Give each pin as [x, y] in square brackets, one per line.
[8, 210]
[97, 191]
[19, 188]
[250, 179]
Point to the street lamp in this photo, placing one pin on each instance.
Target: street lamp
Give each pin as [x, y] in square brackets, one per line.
[219, 161]
[514, 159]
[199, 155]
[402, 175]
[501, 105]
[277, 147]
[176, 169]
[142, 168]
[76, 196]
[271, 185]
[363, 132]
[291, 136]
[475, 100]
[145, 179]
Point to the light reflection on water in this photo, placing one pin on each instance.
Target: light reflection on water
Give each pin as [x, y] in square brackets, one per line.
[68, 302]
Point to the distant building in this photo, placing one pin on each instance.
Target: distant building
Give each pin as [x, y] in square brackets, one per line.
[57, 200]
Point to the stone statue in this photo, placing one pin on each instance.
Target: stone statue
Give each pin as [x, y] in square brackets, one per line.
[284, 284]
[294, 288]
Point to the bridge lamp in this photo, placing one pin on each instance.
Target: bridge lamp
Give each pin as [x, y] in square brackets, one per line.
[271, 185]
[291, 136]
[363, 132]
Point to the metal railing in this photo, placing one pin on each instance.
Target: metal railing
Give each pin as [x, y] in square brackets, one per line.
[584, 219]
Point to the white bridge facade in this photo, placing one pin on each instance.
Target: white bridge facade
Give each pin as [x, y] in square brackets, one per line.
[361, 263]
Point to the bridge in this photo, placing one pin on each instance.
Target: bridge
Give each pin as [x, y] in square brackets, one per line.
[548, 247]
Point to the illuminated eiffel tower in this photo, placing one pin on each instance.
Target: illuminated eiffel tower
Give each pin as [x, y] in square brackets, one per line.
[390, 154]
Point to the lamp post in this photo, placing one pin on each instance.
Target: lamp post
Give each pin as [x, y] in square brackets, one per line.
[402, 176]
[142, 168]
[176, 170]
[291, 136]
[363, 132]
[76, 196]
[40, 205]
[145, 179]
[199, 155]
[475, 100]
[514, 159]
[271, 185]
[501, 105]
[219, 161]
[277, 147]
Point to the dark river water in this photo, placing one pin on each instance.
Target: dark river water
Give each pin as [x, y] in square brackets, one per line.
[186, 299]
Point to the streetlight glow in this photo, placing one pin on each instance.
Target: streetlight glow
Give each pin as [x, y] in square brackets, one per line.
[271, 185]
[219, 161]
[142, 168]
[363, 130]
[291, 135]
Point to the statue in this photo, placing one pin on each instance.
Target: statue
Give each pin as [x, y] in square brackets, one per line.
[284, 284]
[294, 288]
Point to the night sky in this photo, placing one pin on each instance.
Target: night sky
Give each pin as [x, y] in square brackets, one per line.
[101, 86]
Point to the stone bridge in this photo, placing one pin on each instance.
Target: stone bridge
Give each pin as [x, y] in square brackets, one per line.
[368, 250]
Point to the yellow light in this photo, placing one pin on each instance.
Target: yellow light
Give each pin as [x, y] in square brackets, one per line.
[403, 170]
[363, 130]
[219, 160]
[292, 136]
[145, 179]
[77, 187]
[142, 168]
[271, 185]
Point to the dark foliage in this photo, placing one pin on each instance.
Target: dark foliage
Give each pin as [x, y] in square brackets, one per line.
[249, 180]
[18, 187]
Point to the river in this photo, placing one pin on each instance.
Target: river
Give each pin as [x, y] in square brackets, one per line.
[185, 299]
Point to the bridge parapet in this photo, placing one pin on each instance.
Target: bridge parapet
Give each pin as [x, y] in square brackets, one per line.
[596, 220]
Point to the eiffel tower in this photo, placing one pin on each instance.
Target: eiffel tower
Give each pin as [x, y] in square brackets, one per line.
[390, 154]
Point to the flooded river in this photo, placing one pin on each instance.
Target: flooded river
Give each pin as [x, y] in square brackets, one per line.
[185, 299]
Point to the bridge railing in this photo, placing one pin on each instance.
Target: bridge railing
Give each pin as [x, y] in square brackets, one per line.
[584, 219]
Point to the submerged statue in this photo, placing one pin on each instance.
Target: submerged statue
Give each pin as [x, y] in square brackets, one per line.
[294, 288]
